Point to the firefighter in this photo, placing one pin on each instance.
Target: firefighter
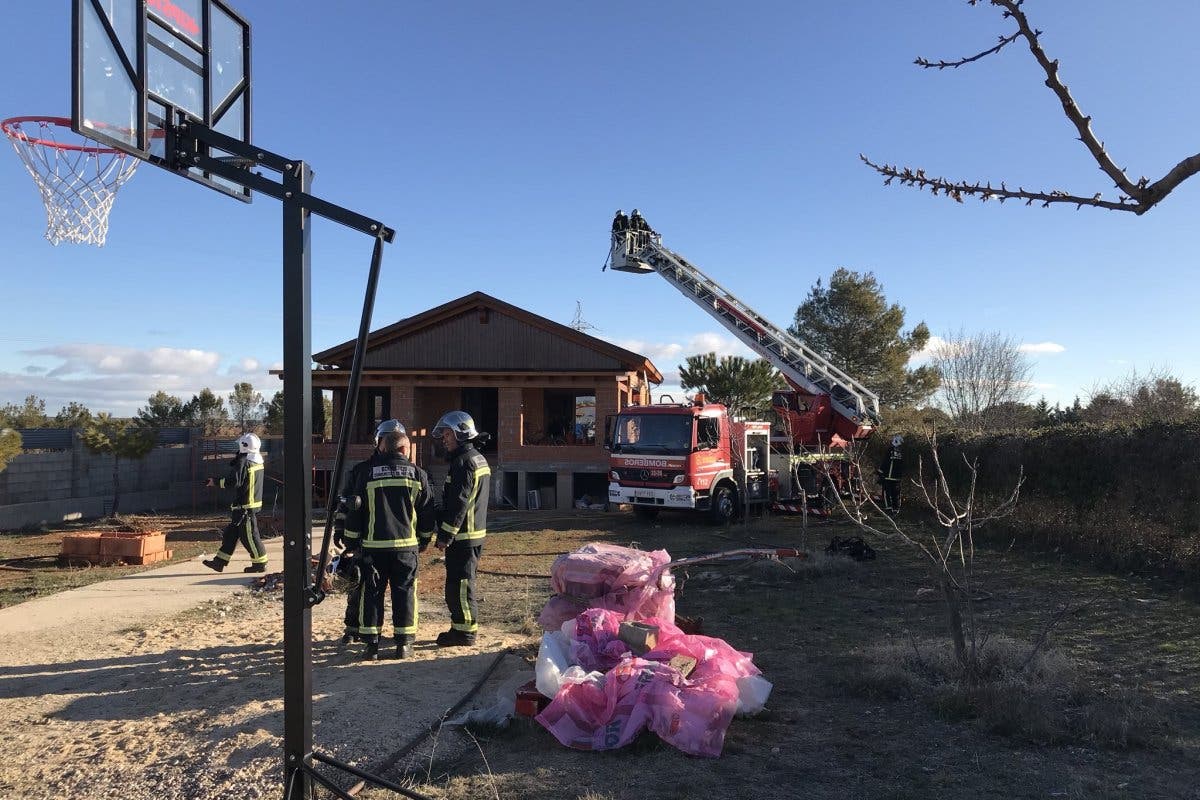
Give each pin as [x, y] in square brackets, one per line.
[246, 480]
[620, 222]
[637, 222]
[349, 566]
[393, 520]
[463, 523]
[890, 472]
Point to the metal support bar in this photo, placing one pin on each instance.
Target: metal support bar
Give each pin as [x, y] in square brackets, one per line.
[316, 594]
[261, 183]
[297, 488]
[190, 141]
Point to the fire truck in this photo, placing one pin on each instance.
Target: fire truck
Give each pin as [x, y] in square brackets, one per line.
[696, 456]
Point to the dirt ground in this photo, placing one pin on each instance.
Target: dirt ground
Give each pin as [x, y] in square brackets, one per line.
[29, 565]
[190, 707]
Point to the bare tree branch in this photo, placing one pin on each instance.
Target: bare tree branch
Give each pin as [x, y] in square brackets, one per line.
[985, 191]
[1082, 123]
[1004, 40]
[1137, 196]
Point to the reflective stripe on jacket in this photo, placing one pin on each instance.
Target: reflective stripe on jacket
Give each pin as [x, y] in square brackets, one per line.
[465, 496]
[397, 503]
[892, 468]
[246, 479]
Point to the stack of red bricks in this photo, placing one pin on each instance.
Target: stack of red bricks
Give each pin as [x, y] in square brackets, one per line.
[114, 547]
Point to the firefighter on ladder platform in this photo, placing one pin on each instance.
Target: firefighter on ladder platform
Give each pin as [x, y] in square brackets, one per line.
[246, 480]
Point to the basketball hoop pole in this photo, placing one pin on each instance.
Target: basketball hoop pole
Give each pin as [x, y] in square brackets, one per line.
[188, 146]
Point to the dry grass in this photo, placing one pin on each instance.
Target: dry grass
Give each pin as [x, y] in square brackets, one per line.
[1037, 697]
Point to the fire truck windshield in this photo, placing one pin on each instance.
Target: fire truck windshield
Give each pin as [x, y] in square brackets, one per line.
[669, 434]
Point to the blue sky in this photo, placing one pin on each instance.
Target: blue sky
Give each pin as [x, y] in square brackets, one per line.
[498, 139]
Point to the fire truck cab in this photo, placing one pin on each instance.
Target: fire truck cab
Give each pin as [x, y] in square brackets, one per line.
[689, 456]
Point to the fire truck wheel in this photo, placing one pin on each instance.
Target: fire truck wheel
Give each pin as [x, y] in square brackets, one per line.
[724, 504]
[646, 514]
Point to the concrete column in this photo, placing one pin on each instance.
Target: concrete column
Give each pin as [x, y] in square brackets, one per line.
[522, 487]
[565, 490]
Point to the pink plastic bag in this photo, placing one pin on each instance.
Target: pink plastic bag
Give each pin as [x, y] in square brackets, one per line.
[632, 582]
[691, 714]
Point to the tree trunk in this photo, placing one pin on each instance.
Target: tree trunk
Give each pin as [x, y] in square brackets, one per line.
[955, 624]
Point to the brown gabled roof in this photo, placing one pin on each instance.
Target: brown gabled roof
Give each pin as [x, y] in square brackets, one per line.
[344, 352]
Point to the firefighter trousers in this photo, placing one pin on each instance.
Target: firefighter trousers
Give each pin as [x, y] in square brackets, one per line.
[381, 569]
[462, 558]
[891, 494]
[353, 601]
[243, 527]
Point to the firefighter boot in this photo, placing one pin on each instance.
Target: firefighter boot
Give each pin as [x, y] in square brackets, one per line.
[404, 646]
[453, 638]
[256, 568]
[214, 563]
[372, 652]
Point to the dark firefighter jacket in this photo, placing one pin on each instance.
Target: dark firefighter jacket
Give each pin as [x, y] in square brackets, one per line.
[465, 497]
[246, 480]
[396, 504]
[892, 468]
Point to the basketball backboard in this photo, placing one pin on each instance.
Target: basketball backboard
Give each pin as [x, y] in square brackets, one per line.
[134, 62]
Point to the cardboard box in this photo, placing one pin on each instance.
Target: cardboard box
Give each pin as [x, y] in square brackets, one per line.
[685, 664]
[640, 637]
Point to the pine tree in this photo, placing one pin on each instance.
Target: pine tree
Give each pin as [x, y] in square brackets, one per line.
[30, 414]
[10, 446]
[274, 414]
[107, 436]
[73, 415]
[743, 385]
[206, 411]
[852, 325]
[244, 405]
[162, 411]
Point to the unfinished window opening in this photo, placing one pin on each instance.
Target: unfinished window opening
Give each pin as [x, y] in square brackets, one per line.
[569, 418]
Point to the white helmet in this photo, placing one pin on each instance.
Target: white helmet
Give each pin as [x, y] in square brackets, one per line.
[897, 440]
[249, 443]
[386, 427]
[458, 421]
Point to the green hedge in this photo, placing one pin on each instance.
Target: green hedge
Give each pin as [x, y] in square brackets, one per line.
[1131, 497]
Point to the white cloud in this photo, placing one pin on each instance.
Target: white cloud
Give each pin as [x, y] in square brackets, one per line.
[931, 347]
[120, 379]
[937, 343]
[85, 359]
[1041, 347]
[667, 356]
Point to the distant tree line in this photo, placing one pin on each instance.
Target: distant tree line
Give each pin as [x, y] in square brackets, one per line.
[243, 409]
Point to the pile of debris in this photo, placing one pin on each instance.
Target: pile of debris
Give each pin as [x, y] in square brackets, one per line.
[613, 662]
[271, 582]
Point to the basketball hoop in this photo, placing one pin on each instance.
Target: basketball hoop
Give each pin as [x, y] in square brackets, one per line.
[78, 182]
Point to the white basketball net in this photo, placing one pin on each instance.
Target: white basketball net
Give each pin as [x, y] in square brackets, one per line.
[78, 183]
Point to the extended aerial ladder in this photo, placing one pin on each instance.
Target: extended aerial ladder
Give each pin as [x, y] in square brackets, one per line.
[855, 408]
